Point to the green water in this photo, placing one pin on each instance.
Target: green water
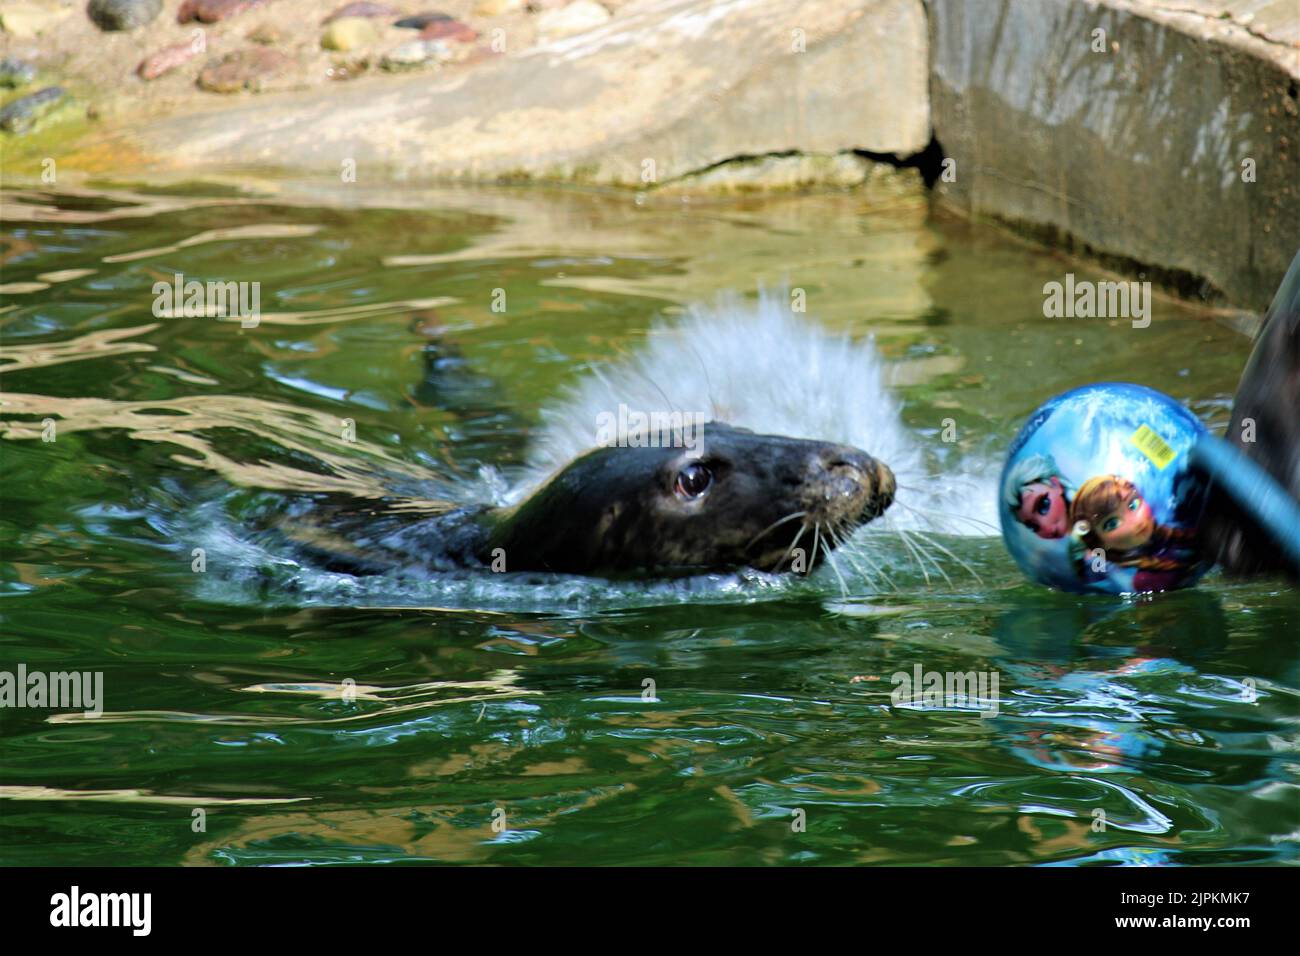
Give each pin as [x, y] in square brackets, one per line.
[346, 725]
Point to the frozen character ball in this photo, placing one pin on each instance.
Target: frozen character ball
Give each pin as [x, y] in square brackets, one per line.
[1097, 495]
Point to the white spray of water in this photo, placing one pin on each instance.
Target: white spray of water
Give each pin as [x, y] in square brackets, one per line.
[761, 366]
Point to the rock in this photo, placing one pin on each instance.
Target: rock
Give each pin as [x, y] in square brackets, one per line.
[577, 17]
[122, 14]
[363, 9]
[166, 60]
[651, 84]
[242, 70]
[25, 112]
[497, 8]
[211, 11]
[421, 20]
[349, 33]
[266, 34]
[15, 73]
[341, 71]
[416, 53]
[28, 20]
[453, 31]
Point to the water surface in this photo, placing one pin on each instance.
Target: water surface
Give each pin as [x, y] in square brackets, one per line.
[321, 719]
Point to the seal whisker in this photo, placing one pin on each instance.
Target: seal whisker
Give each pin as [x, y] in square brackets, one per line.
[790, 549]
[830, 559]
[774, 525]
[817, 537]
[969, 570]
[890, 527]
[924, 514]
[871, 572]
[921, 544]
[915, 545]
[938, 477]
[902, 536]
[848, 556]
[874, 567]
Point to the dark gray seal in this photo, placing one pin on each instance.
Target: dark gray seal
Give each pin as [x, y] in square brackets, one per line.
[747, 500]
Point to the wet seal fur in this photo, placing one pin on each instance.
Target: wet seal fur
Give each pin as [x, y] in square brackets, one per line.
[746, 500]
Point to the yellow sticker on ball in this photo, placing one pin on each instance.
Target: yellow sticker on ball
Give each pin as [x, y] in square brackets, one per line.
[1153, 446]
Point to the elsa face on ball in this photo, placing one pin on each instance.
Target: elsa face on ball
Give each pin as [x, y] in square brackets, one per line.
[1038, 497]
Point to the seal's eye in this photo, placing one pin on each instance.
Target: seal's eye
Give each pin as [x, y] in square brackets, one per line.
[692, 481]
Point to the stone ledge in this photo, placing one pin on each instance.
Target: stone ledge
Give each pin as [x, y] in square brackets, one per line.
[663, 89]
[1134, 154]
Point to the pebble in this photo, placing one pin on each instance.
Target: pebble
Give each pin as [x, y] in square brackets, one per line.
[166, 60]
[361, 10]
[348, 70]
[349, 33]
[266, 34]
[23, 113]
[577, 17]
[122, 14]
[415, 53]
[27, 20]
[451, 30]
[497, 8]
[242, 70]
[210, 11]
[16, 73]
[421, 20]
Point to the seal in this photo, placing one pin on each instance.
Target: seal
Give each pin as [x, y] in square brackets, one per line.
[1265, 427]
[742, 499]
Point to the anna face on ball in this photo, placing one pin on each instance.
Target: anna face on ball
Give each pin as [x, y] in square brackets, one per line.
[1123, 521]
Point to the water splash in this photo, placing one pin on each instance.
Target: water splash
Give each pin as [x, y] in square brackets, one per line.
[761, 366]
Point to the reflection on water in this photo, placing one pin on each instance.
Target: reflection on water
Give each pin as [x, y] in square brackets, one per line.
[323, 718]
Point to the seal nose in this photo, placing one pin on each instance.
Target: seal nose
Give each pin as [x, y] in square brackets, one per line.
[854, 485]
[884, 496]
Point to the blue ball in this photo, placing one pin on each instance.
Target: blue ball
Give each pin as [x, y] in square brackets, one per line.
[1096, 494]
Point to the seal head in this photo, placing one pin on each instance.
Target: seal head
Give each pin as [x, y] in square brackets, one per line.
[741, 499]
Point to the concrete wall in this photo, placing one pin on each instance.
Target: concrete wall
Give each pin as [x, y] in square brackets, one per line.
[1135, 152]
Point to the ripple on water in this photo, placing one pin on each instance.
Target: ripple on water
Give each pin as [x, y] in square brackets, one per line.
[325, 719]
